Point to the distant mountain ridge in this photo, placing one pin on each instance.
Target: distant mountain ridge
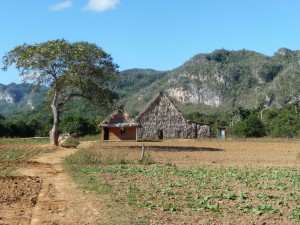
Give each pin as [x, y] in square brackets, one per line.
[221, 79]
[229, 79]
[19, 98]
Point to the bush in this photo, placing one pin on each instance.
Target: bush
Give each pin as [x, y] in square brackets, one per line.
[18, 128]
[83, 125]
[250, 127]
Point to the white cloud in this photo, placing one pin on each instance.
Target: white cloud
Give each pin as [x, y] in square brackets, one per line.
[61, 6]
[101, 5]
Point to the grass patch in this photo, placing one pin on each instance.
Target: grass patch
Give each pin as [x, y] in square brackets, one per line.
[148, 160]
[84, 165]
[43, 140]
[205, 191]
[17, 154]
[91, 138]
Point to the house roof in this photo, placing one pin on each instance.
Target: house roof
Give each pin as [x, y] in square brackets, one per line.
[154, 101]
[119, 118]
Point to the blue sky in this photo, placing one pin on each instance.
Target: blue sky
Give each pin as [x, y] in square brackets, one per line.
[157, 34]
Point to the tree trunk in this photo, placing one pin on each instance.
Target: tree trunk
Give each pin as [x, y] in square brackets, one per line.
[54, 134]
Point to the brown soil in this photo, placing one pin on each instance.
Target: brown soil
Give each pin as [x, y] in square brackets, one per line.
[187, 152]
[45, 194]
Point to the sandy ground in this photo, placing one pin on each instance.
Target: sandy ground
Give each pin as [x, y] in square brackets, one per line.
[45, 194]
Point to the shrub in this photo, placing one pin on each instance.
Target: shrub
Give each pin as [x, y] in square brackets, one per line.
[250, 127]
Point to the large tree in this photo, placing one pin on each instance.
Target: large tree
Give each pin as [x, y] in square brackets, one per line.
[78, 69]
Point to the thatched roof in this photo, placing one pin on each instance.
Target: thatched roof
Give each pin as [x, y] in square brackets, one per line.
[119, 118]
[154, 101]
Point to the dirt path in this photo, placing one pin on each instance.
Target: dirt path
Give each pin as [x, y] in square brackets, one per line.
[44, 194]
[59, 201]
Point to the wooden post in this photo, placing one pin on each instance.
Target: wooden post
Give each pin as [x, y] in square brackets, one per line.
[143, 152]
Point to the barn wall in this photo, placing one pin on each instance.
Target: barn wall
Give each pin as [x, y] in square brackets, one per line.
[162, 118]
[115, 133]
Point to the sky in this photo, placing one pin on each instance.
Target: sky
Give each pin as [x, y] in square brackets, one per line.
[156, 34]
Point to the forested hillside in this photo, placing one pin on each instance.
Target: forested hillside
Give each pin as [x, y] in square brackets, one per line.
[18, 98]
[229, 79]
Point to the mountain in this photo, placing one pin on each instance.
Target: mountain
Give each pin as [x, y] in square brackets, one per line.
[133, 80]
[228, 79]
[221, 80]
[19, 98]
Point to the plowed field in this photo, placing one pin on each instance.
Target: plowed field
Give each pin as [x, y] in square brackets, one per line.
[202, 152]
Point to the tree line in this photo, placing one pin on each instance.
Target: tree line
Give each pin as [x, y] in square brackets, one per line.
[39, 126]
[259, 122]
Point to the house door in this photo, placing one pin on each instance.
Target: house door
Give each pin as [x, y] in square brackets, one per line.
[106, 133]
[160, 134]
[222, 134]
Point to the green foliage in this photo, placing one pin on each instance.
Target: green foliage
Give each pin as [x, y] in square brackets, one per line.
[202, 118]
[252, 126]
[2, 126]
[16, 154]
[32, 123]
[27, 141]
[20, 97]
[84, 157]
[18, 128]
[148, 160]
[17, 151]
[296, 213]
[74, 63]
[269, 70]
[71, 70]
[263, 208]
[284, 122]
[16, 91]
[134, 80]
[38, 122]
[77, 123]
[204, 191]
[218, 55]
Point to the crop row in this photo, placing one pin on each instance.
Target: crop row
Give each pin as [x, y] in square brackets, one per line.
[218, 191]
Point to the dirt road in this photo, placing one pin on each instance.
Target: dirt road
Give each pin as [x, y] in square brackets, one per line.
[54, 197]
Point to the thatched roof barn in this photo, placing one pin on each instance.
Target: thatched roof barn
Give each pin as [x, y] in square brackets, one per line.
[161, 119]
[119, 126]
